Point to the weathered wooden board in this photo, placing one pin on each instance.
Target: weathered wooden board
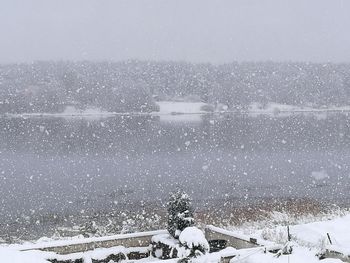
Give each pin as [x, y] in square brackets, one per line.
[238, 241]
[141, 239]
[113, 257]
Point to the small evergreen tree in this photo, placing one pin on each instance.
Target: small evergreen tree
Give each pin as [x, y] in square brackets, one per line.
[180, 213]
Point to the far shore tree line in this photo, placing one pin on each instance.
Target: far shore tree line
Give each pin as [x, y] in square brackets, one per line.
[136, 85]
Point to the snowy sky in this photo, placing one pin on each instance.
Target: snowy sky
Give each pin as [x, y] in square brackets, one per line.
[200, 31]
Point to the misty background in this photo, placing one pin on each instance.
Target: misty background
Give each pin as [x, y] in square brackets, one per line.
[194, 31]
[122, 56]
[217, 59]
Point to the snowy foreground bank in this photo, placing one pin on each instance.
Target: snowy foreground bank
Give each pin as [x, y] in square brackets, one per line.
[307, 240]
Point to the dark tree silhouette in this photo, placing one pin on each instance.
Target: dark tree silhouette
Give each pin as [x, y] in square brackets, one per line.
[180, 213]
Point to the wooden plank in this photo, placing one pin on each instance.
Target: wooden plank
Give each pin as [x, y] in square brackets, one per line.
[141, 239]
[238, 241]
[232, 241]
[115, 257]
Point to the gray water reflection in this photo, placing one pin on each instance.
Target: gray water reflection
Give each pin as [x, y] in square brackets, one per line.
[56, 165]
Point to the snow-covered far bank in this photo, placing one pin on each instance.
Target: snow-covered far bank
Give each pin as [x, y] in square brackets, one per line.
[275, 108]
[172, 111]
[191, 111]
[69, 112]
[175, 110]
[188, 111]
[174, 107]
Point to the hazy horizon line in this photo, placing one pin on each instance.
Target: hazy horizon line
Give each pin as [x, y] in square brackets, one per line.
[133, 60]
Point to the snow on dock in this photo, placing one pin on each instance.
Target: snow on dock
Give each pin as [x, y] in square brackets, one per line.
[140, 239]
[327, 239]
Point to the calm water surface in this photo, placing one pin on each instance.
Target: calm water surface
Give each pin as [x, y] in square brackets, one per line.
[57, 165]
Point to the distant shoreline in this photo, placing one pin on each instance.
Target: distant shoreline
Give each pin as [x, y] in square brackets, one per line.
[115, 114]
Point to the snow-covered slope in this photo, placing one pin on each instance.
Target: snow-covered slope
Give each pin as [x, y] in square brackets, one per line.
[307, 240]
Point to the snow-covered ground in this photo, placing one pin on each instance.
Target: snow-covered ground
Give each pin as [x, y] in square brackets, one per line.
[306, 239]
[312, 233]
[299, 255]
[10, 255]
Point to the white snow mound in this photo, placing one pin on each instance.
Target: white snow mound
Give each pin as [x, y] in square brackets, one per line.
[193, 237]
[14, 256]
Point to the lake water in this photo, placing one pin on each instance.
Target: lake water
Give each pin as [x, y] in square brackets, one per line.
[83, 166]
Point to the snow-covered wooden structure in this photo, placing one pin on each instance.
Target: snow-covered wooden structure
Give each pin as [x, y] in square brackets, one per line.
[140, 245]
[307, 240]
[238, 241]
[141, 239]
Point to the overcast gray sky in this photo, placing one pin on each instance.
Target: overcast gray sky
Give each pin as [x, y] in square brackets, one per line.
[200, 31]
